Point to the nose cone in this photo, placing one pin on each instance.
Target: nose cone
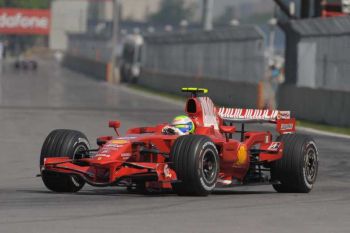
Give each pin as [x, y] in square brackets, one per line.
[118, 149]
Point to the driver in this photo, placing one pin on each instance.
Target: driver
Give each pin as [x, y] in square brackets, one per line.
[181, 125]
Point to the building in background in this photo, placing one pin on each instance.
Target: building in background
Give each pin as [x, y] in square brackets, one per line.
[139, 10]
[131, 10]
[67, 17]
[244, 8]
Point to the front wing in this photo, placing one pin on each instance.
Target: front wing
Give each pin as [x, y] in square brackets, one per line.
[110, 173]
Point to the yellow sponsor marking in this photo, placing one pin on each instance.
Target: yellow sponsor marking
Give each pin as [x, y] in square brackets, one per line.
[242, 154]
[119, 141]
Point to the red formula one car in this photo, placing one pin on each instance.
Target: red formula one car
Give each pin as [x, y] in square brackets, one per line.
[217, 154]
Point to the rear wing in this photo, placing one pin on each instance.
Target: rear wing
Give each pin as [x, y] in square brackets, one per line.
[285, 124]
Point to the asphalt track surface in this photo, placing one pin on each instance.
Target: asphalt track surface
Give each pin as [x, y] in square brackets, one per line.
[34, 103]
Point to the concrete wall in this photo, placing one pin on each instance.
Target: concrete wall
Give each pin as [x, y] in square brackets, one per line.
[223, 92]
[91, 68]
[316, 105]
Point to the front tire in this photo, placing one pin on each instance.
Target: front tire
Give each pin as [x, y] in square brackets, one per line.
[62, 143]
[297, 170]
[195, 160]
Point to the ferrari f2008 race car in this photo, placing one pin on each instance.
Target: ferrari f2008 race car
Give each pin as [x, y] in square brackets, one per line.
[219, 153]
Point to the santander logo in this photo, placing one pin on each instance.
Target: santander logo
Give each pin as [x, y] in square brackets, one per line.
[20, 20]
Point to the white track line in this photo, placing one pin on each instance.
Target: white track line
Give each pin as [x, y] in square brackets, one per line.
[324, 133]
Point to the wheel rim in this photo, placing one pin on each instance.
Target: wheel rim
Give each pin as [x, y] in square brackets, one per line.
[209, 166]
[78, 150]
[310, 165]
[78, 181]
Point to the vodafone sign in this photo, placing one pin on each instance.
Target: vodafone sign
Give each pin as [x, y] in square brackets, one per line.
[23, 21]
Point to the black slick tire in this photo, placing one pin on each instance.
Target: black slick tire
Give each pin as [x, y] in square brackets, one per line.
[296, 172]
[61, 143]
[195, 160]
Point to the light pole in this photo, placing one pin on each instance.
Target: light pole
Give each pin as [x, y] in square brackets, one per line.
[183, 25]
[272, 23]
[207, 15]
[115, 31]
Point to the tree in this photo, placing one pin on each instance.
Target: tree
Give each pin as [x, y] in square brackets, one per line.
[172, 12]
[37, 4]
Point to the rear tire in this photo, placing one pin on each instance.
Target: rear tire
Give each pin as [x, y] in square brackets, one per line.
[62, 143]
[195, 160]
[297, 170]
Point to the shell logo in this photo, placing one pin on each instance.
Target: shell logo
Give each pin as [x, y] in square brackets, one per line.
[242, 154]
[119, 141]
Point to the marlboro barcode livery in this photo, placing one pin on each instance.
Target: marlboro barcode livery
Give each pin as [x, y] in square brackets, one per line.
[252, 114]
[193, 155]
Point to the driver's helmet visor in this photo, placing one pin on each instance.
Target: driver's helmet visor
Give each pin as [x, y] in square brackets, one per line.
[185, 128]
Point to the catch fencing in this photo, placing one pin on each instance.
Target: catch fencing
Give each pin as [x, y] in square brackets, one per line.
[92, 47]
[90, 55]
[318, 53]
[229, 62]
[317, 70]
[235, 54]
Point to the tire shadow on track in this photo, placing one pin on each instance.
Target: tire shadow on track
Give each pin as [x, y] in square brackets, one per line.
[125, 193]
[104, 192]
[240, 192]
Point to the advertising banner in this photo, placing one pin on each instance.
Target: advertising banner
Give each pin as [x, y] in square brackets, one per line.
[24, 21]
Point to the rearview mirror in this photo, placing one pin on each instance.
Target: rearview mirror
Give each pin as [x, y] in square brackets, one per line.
[227, 129]
[114, 124]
